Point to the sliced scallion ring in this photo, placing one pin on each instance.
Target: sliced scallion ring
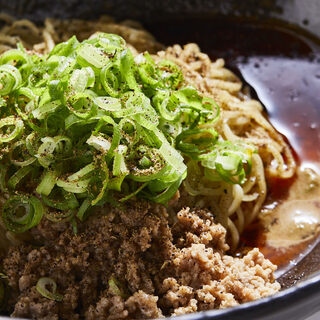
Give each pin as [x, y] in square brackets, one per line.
[21, 213]
[91, 124]
[11, 127]
[47, 287]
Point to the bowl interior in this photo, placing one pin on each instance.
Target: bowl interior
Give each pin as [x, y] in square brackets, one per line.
[224, 29]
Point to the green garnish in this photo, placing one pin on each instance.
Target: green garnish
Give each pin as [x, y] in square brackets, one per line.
[117, 287]
[21, 213]
[47, 287]
[89, 124]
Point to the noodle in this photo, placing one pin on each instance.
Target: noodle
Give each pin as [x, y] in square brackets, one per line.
[241, 120]
[235, 206]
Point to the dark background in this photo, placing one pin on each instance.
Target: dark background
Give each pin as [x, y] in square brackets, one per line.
[137, 9]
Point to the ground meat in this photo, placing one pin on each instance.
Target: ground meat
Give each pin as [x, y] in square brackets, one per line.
[158, 266]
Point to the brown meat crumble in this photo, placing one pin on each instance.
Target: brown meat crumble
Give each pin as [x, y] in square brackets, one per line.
[165, 266]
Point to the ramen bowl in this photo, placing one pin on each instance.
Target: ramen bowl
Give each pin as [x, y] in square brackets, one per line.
[242, 33]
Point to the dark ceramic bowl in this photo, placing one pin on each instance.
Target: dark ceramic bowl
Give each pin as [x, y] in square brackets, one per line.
[167, 19]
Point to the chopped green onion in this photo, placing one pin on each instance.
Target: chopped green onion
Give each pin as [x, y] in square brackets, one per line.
[127, 69]
[82, 172]
[168, 193]
[47, 183]
[129, 196]
[10, 134]
[99, 143]
[109, 77]
[61, 200]
[60, 216]
[47, 287]
[81, 104]
[21, 213]
[19, 175]
[195, 142]
[117, 288]
[78, 186]
[10, 79]
[82, 79]
[20, 146]
[42, 111]
[89, 121]
[88, 55]
[86, 204]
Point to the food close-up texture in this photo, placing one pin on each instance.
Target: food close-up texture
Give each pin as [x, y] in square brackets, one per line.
[128, 172]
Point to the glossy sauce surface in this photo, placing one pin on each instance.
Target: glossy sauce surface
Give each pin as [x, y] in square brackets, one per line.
[281, 65]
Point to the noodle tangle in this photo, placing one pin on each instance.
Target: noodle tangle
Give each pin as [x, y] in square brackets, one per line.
[235, 206]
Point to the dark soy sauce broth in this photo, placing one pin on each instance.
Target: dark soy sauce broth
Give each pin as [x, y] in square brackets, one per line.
[281, 65]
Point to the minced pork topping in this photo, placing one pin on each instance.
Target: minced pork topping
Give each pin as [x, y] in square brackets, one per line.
[136, 262]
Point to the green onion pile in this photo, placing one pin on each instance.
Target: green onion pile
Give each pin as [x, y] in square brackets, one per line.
[89, 124]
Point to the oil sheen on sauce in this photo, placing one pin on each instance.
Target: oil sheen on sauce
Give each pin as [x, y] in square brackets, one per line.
[281, 65]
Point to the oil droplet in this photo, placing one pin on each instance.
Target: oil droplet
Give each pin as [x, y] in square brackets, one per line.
[297, 220]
